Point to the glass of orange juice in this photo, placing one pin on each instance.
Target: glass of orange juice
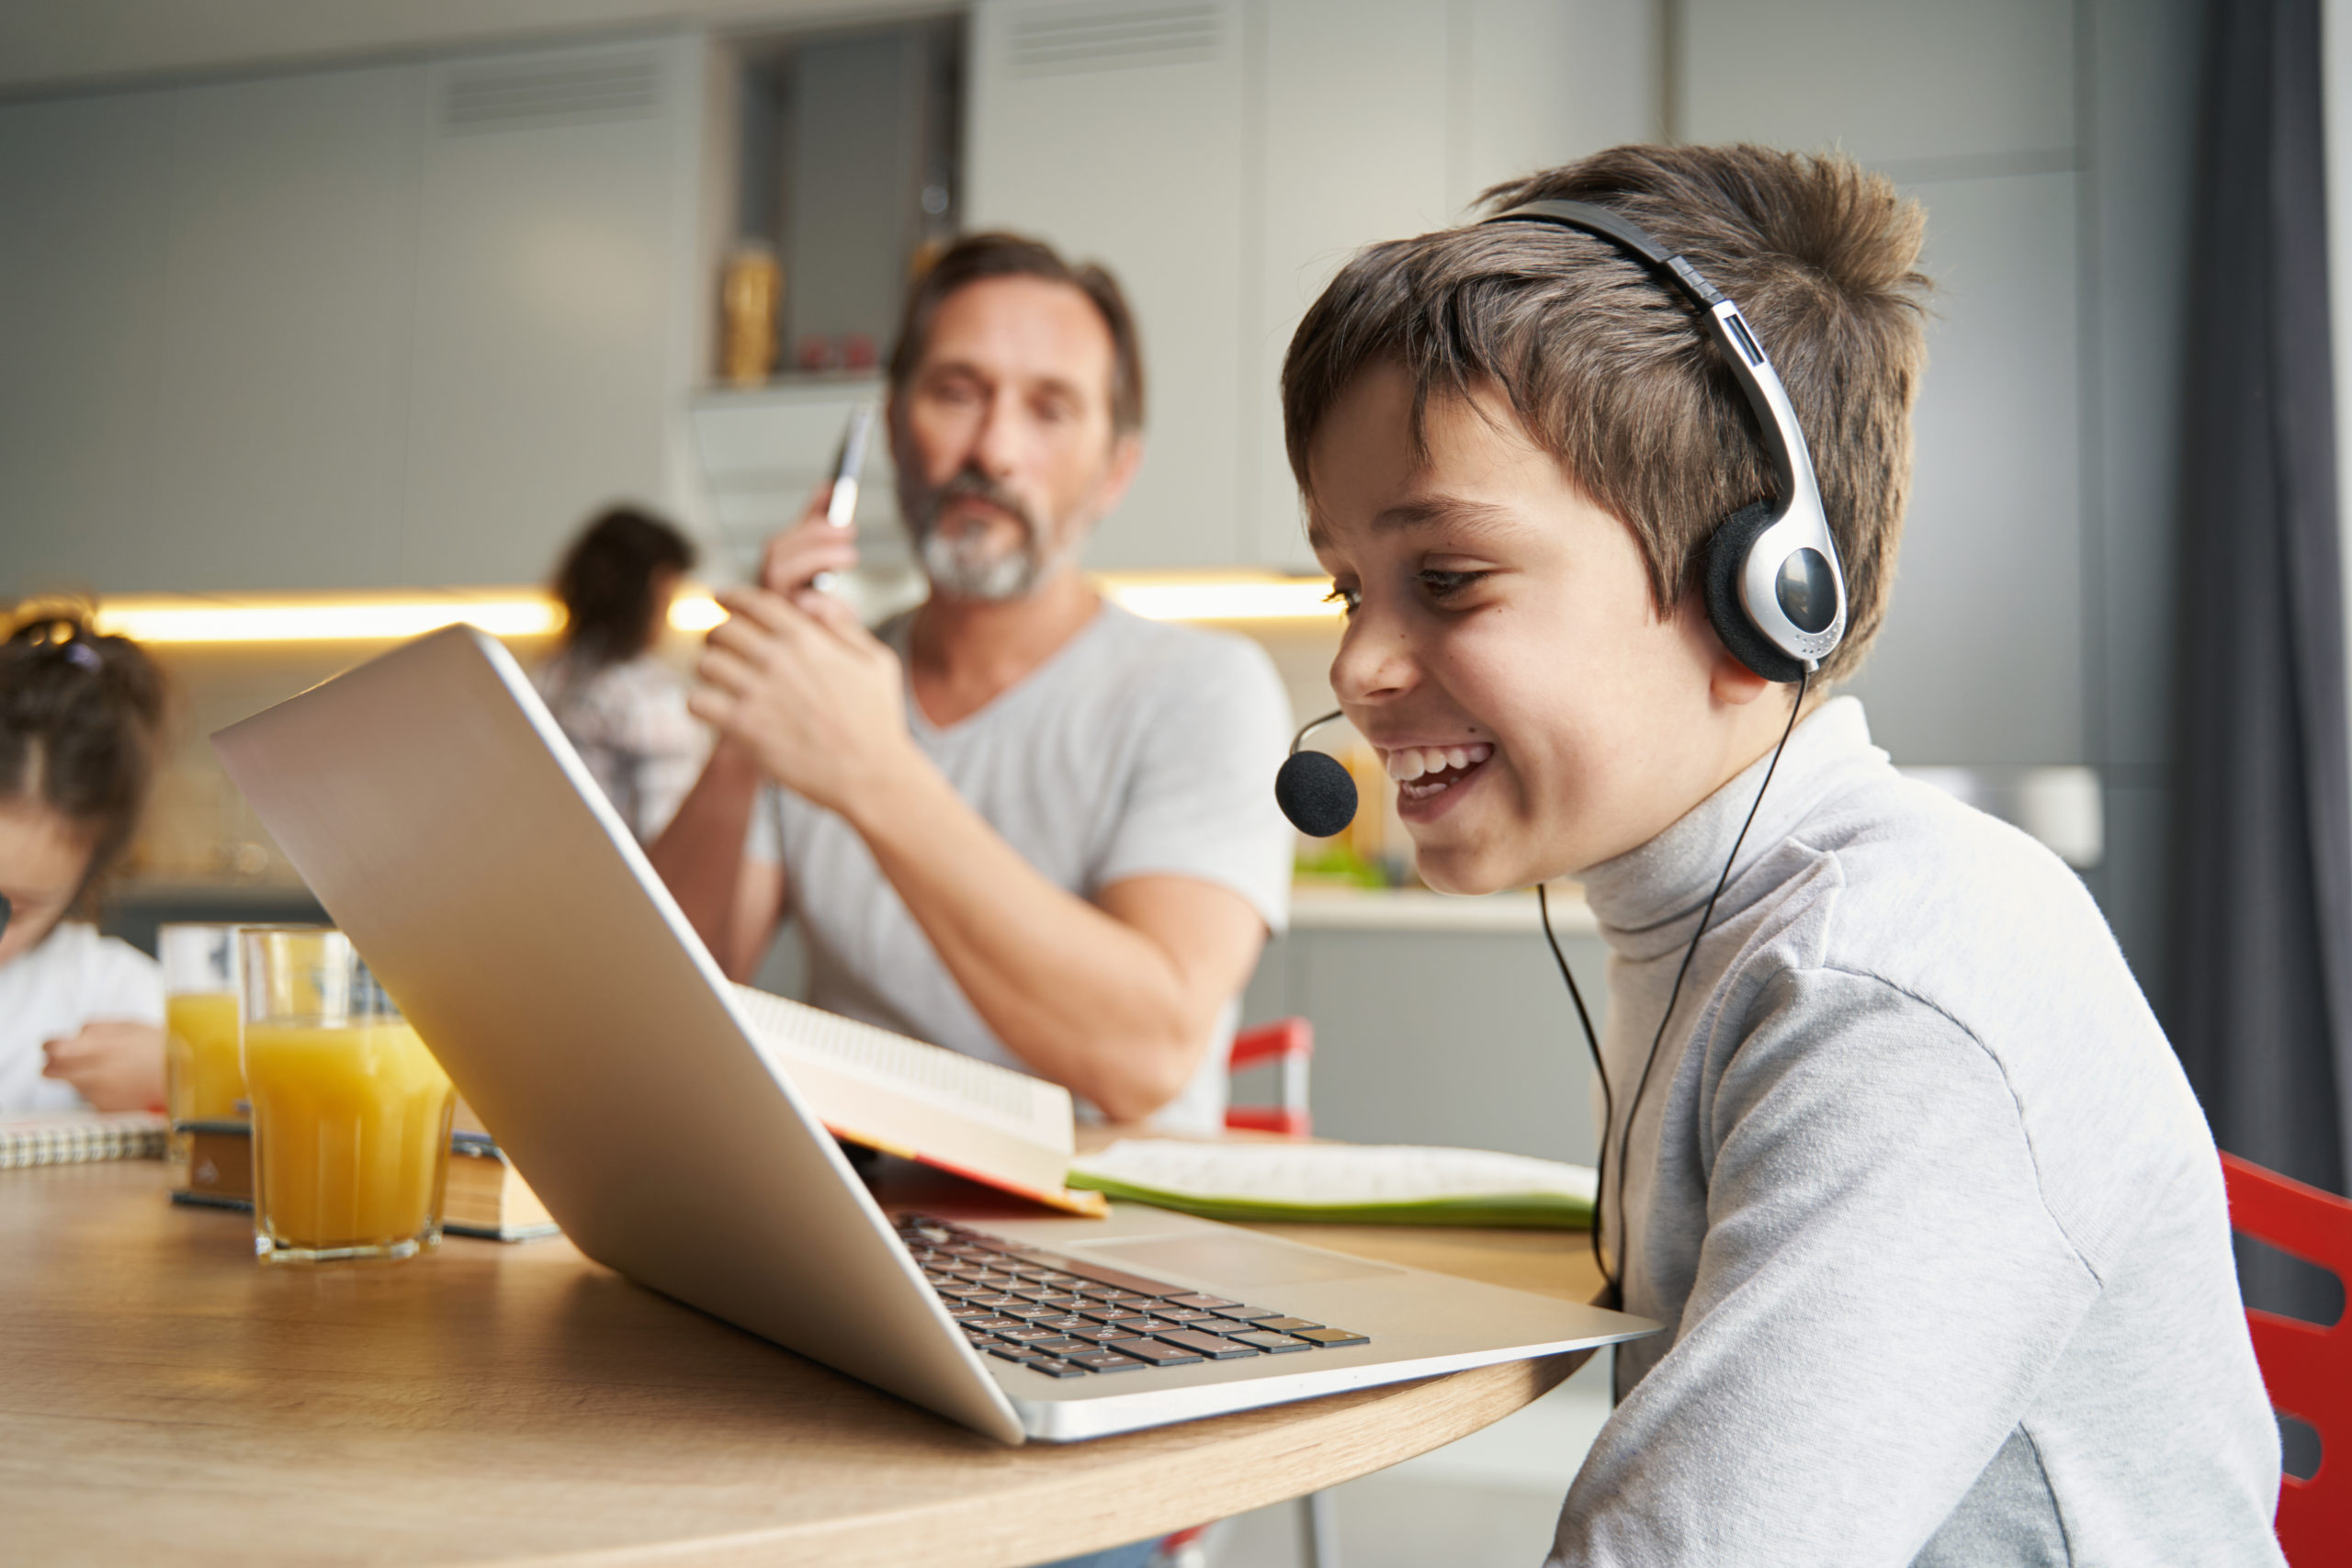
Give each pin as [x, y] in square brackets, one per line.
[350, 1113]
[202, 1080]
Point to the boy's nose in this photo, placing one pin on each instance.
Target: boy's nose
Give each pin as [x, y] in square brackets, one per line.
[1373, 665]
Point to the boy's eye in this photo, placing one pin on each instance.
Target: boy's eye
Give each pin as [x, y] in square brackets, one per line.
[1346, 598]
[1441, 585]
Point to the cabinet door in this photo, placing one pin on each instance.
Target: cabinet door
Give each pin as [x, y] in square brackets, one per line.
[276, 363]
[79, 309]
[551, 302]
[1118, 133]
[1357, 95]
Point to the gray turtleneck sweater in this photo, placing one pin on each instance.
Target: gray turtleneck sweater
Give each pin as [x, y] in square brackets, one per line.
[1921, 1195]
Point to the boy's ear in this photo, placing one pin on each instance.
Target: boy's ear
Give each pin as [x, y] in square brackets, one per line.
[1731, 681]
[1728, 680]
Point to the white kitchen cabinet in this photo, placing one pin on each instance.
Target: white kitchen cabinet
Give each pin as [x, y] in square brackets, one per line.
[549, 361]
[345, 328]
[285, 277]
[80, 182]
[1225, 157]
[1123, 132]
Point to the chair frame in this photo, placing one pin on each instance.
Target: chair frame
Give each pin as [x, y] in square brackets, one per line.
[2306, 1367]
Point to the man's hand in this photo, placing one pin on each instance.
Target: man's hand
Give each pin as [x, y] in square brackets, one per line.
[795, 556]
[817, 700]
[116, 1065]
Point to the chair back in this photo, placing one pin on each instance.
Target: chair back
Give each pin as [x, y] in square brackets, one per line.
[2306, 1368]
[1290, 1044]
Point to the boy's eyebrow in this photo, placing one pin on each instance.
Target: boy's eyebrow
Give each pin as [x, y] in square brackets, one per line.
[1452, 511]
[1472, 517]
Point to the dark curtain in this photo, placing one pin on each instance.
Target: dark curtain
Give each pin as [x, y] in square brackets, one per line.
[2262, 911]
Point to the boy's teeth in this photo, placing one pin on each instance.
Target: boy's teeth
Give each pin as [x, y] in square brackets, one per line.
[1407, 764]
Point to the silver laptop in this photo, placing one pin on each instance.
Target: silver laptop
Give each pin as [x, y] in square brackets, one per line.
[439, 814]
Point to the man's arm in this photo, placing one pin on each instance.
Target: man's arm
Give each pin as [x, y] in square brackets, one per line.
[733, 902]
[1116, 1000]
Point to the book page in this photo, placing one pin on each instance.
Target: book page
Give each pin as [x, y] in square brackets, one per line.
[1331, 1174]
[1028, 1108]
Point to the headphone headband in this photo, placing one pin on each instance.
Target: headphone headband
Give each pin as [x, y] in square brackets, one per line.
[1789, 585]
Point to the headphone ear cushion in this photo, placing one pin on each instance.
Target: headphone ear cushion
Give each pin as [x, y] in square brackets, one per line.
[1726, 558]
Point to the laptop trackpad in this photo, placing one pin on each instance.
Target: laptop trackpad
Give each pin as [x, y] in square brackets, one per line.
[1233, 1259]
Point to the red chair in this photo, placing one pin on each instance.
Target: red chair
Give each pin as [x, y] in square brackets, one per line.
[1291, 1043]
[2306, 1368]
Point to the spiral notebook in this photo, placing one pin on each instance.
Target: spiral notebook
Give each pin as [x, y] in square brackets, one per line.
[72, 1137]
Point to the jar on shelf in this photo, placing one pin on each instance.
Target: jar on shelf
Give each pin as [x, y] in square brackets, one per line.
[751, 294]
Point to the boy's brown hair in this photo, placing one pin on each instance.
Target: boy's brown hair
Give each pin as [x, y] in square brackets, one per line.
[1607, 371]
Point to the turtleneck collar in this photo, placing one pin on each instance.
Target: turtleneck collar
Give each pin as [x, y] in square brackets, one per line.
[1647, 899]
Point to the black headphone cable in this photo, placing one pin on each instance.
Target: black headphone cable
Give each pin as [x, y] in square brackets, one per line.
[1616, 1281]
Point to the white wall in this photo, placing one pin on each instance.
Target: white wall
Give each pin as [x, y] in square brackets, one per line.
[373, 325]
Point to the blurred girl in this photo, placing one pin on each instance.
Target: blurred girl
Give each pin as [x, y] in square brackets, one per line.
[81, 1014]
[623, 709]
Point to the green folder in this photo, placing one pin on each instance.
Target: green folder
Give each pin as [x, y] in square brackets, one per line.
[1341, 1183]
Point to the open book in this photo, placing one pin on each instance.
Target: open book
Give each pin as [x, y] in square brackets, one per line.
[1350, 1183]
[923, 1103]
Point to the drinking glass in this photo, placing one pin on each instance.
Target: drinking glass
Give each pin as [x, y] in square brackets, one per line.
[202, 1080]
[350, 1113]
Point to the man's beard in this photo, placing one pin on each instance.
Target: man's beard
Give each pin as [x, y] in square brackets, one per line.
[964, 561]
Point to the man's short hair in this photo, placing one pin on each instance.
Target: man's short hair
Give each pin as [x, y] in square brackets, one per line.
[975, 257]
[1606, 368]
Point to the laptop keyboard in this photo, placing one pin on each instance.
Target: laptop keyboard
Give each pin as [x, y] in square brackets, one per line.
[1065, 1317]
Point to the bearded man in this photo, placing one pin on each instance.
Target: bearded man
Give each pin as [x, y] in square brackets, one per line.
[1016, 821]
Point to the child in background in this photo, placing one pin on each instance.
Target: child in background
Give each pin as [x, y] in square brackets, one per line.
[622, 709]
[1896, 1154]
[81, 1014]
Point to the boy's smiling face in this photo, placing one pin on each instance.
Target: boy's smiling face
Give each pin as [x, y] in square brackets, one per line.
[1502, 652]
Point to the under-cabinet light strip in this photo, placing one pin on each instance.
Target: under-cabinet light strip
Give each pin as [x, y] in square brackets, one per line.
[175, 618]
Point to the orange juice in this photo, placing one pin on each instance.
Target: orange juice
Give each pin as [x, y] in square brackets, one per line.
[203, 1081]
[351, 1139]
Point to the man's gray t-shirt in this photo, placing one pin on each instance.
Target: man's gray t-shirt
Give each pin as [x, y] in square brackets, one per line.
[1138, 749]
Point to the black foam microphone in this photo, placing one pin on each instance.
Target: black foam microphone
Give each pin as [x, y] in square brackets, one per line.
[1313, 789]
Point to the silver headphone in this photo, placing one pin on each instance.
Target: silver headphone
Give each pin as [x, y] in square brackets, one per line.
[1775, 592]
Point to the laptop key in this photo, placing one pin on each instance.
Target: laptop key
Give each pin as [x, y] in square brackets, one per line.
[1333, 1338]
[1205, 1303]
[1060, 1346]
[1101, 1333]
[1272, 1344]
[1104, 1360]
[1054, 1368]
[1158, 1354]
[1284, 1325]
[1247, 1315]
[1208, 1320]
[1215, 1348]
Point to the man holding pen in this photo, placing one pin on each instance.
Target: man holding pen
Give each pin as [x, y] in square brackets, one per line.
[1016, 821]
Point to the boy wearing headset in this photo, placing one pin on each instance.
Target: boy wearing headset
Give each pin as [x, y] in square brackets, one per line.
[1897, 1151]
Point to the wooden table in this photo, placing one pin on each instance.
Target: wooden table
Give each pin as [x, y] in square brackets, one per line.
[164, 1399]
